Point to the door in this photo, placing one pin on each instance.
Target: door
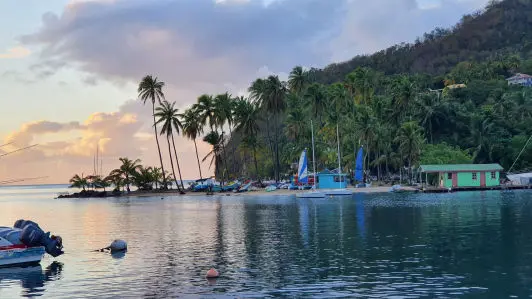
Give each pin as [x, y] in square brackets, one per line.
[455, 180]
[482, 179]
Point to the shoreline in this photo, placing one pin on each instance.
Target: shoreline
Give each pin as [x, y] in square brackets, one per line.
[278, 192]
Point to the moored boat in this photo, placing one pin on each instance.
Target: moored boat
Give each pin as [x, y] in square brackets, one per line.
[26, 243]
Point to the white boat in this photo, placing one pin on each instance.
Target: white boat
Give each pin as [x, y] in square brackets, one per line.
[26, 243]
[19, 254]
[337, 192]
[303, 169]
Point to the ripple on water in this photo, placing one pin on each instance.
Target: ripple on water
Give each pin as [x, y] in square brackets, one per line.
[370, 246]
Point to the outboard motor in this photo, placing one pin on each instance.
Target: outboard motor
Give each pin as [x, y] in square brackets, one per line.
[32, 235]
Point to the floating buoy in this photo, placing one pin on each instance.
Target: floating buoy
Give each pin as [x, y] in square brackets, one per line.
[118, 245]
[212, 273]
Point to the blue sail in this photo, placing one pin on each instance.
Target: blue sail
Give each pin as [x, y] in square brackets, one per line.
[302, 171]
[359, 167]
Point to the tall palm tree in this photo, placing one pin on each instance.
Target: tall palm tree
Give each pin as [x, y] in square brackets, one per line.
[152, 89]
[168, 115]
[270, 94]
[192, 128]
[127, 170]
[246, 119]
[223, 112]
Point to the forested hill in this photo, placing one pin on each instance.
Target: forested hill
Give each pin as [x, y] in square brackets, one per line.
[502, 28]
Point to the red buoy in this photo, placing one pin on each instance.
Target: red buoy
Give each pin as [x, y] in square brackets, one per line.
[212, 273]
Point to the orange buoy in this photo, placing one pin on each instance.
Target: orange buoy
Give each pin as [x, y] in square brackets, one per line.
[212, 273]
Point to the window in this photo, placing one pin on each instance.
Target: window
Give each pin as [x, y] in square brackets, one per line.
[449, 176]
[339, 179]
[493, 175]
[474, 175]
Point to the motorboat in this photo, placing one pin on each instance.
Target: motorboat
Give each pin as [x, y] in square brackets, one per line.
[26, 243]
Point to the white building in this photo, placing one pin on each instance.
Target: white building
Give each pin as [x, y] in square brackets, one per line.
[520, 79]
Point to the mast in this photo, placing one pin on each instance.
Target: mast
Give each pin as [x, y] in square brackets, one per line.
[313, 155]
[339, 164]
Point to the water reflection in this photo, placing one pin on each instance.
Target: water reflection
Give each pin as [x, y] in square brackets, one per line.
[32, 279]
[418, 245]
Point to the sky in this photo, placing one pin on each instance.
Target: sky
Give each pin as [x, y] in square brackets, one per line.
[69, 68]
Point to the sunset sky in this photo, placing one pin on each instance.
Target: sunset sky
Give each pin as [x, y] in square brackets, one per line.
[69, 68]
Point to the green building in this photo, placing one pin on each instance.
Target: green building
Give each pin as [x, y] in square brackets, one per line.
[464, 175]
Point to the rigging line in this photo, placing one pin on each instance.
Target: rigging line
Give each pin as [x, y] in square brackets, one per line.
[6, 144]
[18, 150]
[509, 171]
[20, 180]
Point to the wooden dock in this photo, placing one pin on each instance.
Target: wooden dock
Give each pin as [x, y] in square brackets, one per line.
[461, 189]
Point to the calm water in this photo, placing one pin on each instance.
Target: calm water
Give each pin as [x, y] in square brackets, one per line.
[451, 245]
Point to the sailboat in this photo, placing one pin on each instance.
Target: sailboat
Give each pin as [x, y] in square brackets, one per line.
[339, 191]
[303, 170]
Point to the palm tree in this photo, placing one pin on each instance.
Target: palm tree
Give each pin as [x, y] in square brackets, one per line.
[192, 128]
[126, 170]
[205, 110]
[78, 182]
[215, 140]
[152, 89]
[298, 79]
[317, 100]
[223, 112]
[168, 115]
[270, 94]
[246, 118]
[410, 140]
[116, 180]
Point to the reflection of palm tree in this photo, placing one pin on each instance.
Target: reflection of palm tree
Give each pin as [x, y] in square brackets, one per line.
[168, 115]
[152, 89]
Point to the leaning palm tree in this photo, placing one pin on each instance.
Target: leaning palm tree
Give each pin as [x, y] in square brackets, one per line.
[223, 112]
[152, 89]
[215, 140]
[192, 128]
[168, 115]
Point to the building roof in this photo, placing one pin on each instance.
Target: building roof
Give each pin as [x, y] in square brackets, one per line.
[519, 76]
[460, 167]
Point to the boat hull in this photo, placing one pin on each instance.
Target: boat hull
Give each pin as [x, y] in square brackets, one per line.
[338, 192]
[313, 194]
[10, 257]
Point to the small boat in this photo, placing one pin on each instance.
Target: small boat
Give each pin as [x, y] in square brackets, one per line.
[302, 170]
[271, 188]
[244, 188]
[26, 243]
[338, 192]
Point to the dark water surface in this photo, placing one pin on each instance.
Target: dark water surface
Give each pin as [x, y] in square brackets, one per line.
[475, 245]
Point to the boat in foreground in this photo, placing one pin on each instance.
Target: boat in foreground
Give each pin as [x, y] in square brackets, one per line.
[26, 243]
[337, 192]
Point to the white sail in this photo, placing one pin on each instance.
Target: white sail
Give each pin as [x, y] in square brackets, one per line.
[302, 171]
